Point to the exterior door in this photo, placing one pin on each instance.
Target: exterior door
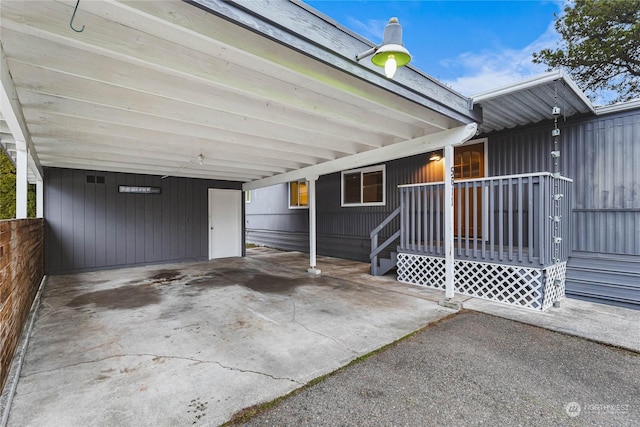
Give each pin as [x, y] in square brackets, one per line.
[468, 164]
[225, 223]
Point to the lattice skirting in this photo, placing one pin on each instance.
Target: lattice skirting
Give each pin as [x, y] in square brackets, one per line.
[554, 284]
[534, 288]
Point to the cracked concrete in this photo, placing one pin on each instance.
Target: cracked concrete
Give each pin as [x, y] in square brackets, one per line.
[191, 344]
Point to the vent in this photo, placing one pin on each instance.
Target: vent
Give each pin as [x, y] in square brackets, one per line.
[95, 179]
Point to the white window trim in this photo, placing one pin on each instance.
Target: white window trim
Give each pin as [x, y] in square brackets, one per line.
[289, 194]
[376, 168]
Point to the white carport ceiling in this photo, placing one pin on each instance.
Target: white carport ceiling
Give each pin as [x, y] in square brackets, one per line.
[150, 85]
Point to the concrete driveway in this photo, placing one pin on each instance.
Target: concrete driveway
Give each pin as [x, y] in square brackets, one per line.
[191, 344]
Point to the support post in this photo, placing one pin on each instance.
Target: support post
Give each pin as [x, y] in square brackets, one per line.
[311, 190]
[448, 222]
[39, 198]
[21, 184]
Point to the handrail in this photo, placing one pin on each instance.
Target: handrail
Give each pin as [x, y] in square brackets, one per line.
[387, 220]
[488, 178]
[386, 243]
[375, 249]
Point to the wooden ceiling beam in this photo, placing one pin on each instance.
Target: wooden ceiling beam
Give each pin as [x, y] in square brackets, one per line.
[182, 56]
[124, 166]
[80, 129]
[141, 110]
[403, 149]
[13, 116]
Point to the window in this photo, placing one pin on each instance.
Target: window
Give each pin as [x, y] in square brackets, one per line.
[298, 194]
[364, 187]
[469, 161]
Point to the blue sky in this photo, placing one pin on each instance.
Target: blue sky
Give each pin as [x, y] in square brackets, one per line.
[471, 46]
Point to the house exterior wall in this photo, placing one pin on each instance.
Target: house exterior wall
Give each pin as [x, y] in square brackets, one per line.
[599, 153]
[21, 271]
[268, 220]
[342, 231]
[92, 226]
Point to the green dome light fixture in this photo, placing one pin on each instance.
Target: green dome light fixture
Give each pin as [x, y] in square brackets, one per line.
[391, 54]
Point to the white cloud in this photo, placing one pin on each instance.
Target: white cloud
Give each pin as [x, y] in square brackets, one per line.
[490, 69]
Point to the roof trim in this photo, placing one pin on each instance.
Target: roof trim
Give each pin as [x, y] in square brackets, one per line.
[357, 36]
[533, 82]
[287, 27]
[620, 106]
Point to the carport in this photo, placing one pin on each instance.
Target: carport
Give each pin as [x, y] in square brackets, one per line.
[133, 117]
[193, 343]
[234, 94]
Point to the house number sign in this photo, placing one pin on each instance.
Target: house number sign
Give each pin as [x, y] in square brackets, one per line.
[138, 190]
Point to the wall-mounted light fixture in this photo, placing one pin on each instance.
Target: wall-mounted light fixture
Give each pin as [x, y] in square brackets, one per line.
[391, 54]
[435, 156]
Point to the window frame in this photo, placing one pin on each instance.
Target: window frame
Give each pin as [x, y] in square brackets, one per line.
[477, 141]
[289, 194]
[362, 171]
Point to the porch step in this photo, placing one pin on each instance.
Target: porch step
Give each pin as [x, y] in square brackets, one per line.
[388, 264]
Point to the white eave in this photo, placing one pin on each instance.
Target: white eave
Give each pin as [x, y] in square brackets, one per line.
[531, 101]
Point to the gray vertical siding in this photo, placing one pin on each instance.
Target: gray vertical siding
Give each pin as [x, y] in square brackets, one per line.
[601, 155]
[92, 226]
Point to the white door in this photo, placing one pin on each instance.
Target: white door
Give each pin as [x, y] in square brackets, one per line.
[225, 223]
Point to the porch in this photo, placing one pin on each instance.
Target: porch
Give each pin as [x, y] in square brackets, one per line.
[511, 238]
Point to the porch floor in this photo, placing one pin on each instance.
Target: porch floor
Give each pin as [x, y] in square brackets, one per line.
[193, 343]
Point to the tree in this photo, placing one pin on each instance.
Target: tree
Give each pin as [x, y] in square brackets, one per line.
[600, 46]
[8, 190]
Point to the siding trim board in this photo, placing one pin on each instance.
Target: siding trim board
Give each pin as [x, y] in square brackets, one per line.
[92, 226]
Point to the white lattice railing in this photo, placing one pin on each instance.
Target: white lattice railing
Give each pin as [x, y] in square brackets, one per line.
[529, 287]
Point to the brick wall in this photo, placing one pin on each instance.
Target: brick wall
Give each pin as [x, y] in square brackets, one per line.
[21, 271]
